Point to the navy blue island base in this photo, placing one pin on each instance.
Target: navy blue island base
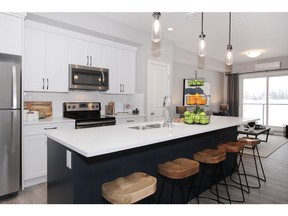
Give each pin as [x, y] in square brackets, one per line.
[82, 183]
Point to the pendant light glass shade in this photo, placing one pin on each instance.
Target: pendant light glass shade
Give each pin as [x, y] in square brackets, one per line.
[229, 54]
[202, 43]
[202, 46]
[156, 27]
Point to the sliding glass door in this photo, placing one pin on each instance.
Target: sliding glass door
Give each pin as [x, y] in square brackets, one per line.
[265, 96]
[278, 101]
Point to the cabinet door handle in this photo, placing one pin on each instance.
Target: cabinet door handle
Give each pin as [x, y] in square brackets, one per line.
[123, 87]
[43, 83]
[47, 83]
[51, 128]
[90, 60]
[87, 60]
[120, 87]
[152, 113]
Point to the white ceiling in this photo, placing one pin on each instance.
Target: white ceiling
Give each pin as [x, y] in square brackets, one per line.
[259, 30]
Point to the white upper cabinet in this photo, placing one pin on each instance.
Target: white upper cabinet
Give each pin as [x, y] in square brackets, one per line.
[34, 60]
[45, 61]
[56, 62]
[121, 65]
[86, 53]
[127, 71]
[112, 63]
[11, 34]
[49, 51]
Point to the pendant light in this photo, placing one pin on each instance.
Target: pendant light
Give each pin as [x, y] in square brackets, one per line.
[229, 54]
[202, 43]
[156, 27]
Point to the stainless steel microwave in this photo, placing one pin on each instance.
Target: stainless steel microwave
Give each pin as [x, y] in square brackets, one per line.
[88, 78]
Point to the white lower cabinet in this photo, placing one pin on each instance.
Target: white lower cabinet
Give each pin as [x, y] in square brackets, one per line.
[34, 168]
[129, 119]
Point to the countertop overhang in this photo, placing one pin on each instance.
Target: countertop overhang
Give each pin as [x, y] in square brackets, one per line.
[97, 141]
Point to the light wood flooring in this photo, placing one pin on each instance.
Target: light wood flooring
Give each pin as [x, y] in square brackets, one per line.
[274, 191]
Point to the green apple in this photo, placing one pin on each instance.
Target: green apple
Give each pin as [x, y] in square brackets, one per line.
[187, 113]
[205, 120]
[190, 120]
[197, 118]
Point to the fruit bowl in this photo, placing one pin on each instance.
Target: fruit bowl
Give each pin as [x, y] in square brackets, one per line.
[199, 81]
[197, 116]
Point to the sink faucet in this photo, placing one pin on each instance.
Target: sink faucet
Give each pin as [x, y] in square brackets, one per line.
[167, 117]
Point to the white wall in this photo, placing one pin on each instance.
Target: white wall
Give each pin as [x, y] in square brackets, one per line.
[250, 66]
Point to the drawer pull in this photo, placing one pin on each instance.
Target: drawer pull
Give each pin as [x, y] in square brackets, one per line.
[130, 120]
[51, 128]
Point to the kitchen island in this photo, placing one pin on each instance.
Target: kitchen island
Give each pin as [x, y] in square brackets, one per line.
[80, 161]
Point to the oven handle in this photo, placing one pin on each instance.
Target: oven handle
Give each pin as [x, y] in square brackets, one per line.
[95, 122]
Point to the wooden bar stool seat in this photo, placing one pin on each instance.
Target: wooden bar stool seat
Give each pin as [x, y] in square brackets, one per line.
[232, 147]
[213, 158]
[129, 189]
[180, 168]
[252, 143]
[210, 156]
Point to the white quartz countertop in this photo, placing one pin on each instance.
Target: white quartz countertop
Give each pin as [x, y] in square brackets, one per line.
[96, 141]
[49, 120]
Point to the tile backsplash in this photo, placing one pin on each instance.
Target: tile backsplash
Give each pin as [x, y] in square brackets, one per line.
[136, 100]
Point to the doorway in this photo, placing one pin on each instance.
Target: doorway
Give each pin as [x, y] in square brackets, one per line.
[158, 86]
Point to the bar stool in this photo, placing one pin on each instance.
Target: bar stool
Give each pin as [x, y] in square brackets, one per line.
[129, 189]
[178, 169]
[251, 143]
[212, 157]
[235, 148]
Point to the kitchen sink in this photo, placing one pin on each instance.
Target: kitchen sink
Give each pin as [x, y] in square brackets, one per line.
[147, 127]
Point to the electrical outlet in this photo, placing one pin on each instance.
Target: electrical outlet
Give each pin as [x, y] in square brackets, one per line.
[68, 159]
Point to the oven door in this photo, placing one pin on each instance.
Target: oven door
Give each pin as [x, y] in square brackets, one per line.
[88, 78]
[89, 124]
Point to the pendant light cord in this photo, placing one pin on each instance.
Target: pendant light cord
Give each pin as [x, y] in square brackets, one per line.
[202, 33]
[229, 28]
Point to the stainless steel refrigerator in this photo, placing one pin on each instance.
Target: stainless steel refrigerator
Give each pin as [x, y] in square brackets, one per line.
[10, 128]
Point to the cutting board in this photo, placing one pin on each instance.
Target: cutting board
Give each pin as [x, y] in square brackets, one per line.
[44, 107]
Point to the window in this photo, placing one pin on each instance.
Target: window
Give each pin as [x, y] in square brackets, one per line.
[265, 96]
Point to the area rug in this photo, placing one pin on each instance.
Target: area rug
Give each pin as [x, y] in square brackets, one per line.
[267, 148]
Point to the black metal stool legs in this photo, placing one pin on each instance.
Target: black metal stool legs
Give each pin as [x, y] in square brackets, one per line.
[221, 172]
[192, 188]
[236, 170]
[257, 176]
[215, 181]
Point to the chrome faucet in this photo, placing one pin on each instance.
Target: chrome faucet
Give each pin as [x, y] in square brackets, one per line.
[167, 115]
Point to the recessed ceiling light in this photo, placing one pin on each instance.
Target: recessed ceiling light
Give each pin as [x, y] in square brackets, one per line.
[170, 29]
[253, 53]
[190, 16]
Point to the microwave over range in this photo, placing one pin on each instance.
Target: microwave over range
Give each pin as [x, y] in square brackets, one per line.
[88, 78]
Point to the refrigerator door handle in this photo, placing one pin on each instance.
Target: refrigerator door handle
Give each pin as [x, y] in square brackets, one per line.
[14, 88]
